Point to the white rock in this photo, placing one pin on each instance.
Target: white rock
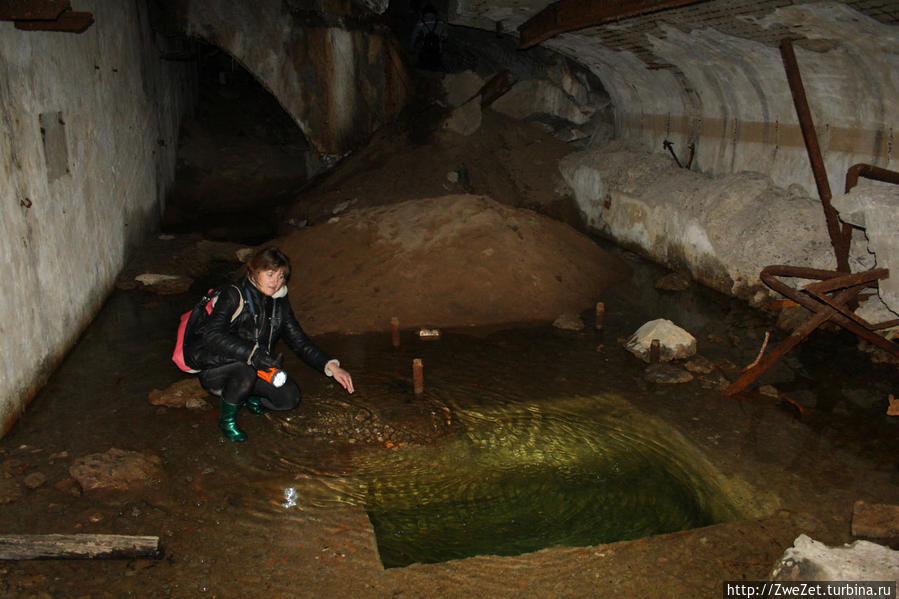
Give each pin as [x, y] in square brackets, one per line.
[808, 559]
[674, 342]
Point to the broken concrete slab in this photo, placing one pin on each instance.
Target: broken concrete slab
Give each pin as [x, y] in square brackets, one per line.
[874, 206]
[689, 221]
[808, 559]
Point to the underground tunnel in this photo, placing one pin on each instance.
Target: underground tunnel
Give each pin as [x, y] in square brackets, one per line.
[612, 283]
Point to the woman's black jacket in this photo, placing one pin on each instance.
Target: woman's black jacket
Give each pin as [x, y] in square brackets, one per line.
[261, 322]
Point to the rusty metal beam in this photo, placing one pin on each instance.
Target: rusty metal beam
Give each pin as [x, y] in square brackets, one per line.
[32, 10]
[570, 15]
[869, 171]
[839, 237]
[70, 21]
[849, 287]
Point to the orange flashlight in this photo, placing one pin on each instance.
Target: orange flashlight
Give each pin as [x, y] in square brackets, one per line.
[273, 375]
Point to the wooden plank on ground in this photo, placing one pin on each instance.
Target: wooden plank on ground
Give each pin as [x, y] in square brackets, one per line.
[79, 546]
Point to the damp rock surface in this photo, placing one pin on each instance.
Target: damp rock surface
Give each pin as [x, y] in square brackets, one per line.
[186, 393]
[116, 469]
[809, 559]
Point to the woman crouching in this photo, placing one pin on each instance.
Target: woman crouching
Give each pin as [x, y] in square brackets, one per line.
[230, 353]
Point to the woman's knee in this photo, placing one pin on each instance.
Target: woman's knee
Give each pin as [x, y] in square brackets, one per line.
[288, 397]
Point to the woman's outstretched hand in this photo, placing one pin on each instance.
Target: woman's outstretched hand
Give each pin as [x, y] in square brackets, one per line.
[343, 377]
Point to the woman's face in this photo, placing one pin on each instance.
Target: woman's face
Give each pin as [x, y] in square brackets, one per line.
[269, 281]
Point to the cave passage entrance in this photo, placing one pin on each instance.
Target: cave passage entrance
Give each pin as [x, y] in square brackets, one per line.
[240, 158]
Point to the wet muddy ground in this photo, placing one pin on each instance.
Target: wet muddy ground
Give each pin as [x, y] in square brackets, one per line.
[228, 529]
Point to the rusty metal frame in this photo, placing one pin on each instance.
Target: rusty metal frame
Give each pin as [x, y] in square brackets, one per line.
[836, 294]
[571, 15]
[814, 296]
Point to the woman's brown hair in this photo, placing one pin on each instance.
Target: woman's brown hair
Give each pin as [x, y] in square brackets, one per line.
[270, 258]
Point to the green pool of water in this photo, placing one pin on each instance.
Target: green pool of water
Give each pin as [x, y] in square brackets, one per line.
[525, 478]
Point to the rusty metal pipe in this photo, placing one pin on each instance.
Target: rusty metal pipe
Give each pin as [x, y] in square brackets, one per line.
[869, 171]
[838, 239]
[418, 377]
[769, 274]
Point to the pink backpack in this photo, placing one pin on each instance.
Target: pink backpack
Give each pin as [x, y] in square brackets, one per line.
[198, 315]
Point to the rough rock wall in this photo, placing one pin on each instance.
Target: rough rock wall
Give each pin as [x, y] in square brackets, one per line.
[339, 76]
[88, 133]
[730, 97]
[723, 230]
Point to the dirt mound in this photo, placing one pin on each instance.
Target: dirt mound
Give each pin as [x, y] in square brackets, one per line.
[455, 260]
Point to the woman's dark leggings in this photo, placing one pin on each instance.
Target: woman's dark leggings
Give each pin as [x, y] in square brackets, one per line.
[235, 382]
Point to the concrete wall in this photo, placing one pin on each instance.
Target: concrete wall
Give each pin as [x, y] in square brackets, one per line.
[730, 96]
[88, 134]
[750, 200]
[340, 76]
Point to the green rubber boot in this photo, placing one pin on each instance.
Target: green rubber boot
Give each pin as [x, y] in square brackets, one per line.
[228, 423]
[254, 405]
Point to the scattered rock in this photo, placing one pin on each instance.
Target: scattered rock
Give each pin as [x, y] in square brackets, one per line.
[10, 490]
[116, 469]
[219, 251]
[714, 381]
[420, 422]
[674, 281]
[186, 393]
[35, 480]
[875, 520]
[12, 466]
[165, 284]
[667, 374]
[569, 322]
[769, 390]
[68, 486]
[674, 342]
[893, 407]
[699, 365]
[808, 559]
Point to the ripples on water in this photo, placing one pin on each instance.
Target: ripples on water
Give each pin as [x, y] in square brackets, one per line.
[526, 477]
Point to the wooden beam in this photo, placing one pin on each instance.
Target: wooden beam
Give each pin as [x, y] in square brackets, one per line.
[86, 546]
[571, 15]
[29, 10]
[70, 21]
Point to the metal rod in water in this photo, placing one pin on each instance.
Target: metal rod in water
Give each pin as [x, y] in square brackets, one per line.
[395, 331]
[418, 378]
[600, 312]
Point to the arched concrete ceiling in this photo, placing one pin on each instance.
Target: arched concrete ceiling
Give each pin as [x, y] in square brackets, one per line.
[710, 73]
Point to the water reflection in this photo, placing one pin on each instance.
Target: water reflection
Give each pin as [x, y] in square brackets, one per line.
[524, 476]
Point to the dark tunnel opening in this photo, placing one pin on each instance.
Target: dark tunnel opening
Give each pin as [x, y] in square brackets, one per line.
[240, 156]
